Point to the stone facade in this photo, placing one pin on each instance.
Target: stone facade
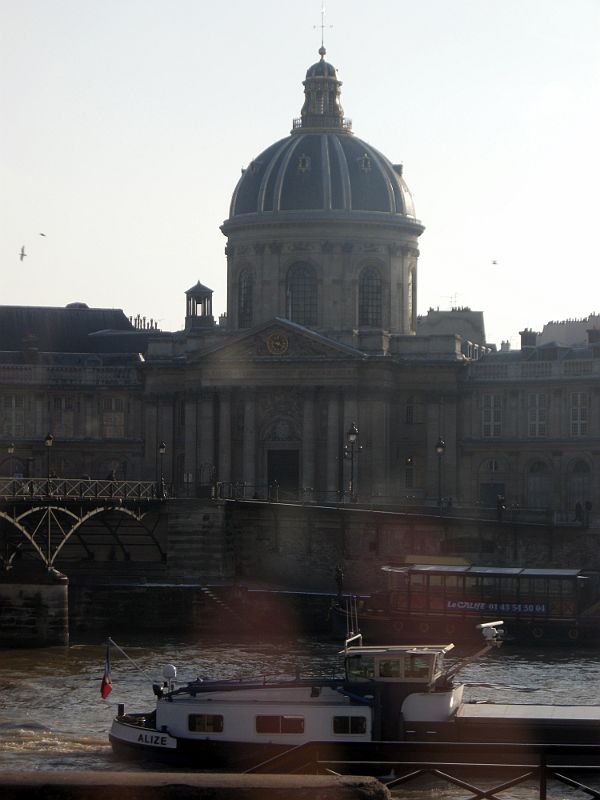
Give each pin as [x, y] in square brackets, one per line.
[321, 335]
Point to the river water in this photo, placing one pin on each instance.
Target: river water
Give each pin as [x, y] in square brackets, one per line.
[53, 718]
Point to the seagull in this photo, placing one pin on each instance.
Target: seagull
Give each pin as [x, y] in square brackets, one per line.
[22, 254]
[42, 234]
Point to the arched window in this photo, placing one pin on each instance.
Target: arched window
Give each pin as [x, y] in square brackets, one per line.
[369, 298]
[245, 299]
[302, 294]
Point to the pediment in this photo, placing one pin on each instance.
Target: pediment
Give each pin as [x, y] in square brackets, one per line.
[280, 340]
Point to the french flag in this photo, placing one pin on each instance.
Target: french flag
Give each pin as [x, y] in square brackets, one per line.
[106, 685]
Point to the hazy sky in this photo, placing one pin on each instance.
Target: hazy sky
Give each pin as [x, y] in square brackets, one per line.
[125, 124]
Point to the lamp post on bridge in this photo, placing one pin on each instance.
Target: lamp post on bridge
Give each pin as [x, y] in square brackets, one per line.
[48, 441]
[440, 449]
[162, 449]
[352, 438]
[11, 450]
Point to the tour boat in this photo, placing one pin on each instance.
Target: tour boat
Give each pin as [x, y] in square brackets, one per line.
[437, 602]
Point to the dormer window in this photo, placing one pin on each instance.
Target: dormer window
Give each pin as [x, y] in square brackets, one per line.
[364, 162]
[304, 163]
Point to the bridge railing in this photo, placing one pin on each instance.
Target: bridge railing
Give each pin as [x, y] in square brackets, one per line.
[81, 489]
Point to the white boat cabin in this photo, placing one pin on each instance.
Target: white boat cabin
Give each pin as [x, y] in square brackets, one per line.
[406, 664]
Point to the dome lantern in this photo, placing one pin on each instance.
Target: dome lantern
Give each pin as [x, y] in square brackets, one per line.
[322, 107]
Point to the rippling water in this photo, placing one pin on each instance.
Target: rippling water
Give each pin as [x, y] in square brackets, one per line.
[52, 716]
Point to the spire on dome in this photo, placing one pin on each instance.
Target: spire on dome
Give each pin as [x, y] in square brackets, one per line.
[322, 107]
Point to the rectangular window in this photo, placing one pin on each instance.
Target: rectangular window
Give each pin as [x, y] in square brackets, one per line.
[113, 418]
[491, 418]
[12, 419]
[279, 724]
[416, 666]
[536, 415]
[205, 723]
[390, 668]
[349, 725]
[579, 414]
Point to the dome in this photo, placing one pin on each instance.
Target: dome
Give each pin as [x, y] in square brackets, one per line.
[321, 170]
[323, 173]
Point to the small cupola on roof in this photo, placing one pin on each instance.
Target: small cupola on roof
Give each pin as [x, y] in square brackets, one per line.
[198, 307]
[322, 90]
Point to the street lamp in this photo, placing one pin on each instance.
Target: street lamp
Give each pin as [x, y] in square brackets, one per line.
[10, 450]
[440, 449]
[352, 438]
[162, 449]
[48, 441]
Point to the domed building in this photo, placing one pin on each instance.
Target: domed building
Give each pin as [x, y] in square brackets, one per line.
[315, 384]
[322, 230]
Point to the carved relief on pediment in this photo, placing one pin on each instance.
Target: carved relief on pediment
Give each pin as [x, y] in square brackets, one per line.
[280, 415]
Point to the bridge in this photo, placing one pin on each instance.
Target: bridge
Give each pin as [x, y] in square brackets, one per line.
[39, 517]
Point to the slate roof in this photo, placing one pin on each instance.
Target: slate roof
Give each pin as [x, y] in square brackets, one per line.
[64, 330]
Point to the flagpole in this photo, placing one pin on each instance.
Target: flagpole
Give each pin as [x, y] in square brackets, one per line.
[123, 653]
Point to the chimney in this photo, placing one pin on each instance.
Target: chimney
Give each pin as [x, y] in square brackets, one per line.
[504, 346]
[528, 339]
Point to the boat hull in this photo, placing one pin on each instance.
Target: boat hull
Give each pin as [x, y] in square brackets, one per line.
[470, 741]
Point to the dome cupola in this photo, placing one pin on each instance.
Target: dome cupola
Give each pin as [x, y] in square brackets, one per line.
[322, 107]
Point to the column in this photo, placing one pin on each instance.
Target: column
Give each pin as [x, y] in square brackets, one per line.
[206, 439]
[333, 448]
[379, 446]
[249, 442]
[308, 444]
[150, 440]
[224, 462]
[190, 442]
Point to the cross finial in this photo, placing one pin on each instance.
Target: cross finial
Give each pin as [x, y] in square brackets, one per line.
[322, 25]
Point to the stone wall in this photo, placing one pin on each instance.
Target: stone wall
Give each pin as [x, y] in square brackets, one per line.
[33, 610]
[300, 546]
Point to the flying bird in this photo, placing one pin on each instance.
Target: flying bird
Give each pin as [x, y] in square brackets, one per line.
[22, 254]
[42, 234]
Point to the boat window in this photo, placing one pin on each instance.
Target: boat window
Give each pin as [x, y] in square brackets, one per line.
[272, 723]
[205, 723]
[558, 586]
[417, 581]
[451, 583]
[416, 666]
[360, 667]
[345, 725]
[508, 585]
[390, 668]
